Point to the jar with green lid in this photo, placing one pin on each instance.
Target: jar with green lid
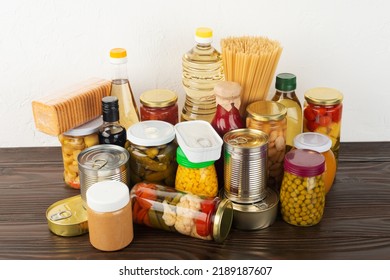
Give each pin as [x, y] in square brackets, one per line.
[322, 114]
[302, 194]
[199, 178]
[152, 152]
[159, 104]
[285, 86]
[270, 117]
[163, 207]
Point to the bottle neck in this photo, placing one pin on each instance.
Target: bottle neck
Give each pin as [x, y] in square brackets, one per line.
[119, 71]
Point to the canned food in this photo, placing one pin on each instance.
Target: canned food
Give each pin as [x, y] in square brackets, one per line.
[245, 165]
[67, 217]
[103, 162]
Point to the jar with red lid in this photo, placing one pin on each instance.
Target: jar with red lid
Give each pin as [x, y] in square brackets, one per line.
[165, 208]
[302, 194]
[322, 114]
[159, 104]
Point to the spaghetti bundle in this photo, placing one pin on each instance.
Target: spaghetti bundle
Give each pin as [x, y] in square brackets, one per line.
[251, 62]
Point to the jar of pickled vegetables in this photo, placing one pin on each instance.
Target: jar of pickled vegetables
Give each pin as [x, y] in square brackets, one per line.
[165, 208]
[319, 143]
[199, 178]
[302, 194]
[152, 152]
[73, 142]
[270, 117]
[322, 114]
[159, 104]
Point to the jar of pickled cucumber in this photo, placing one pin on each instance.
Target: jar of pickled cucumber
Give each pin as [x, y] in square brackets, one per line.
[198, 178]
[302, 194]
[73, 142]
[163, 207]
[270, 118]
[152, 152]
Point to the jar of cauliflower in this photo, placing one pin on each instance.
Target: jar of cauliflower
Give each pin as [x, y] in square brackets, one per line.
[196, 178]
[302, 194]
[163, 207]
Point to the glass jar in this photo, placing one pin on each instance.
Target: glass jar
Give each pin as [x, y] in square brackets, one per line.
[73, 142]
[302, 194]
[270, 117]
[159, 104]
[196, 178]
[319, 143]
[152, 152]
[109, 212]
[165, 208]
[322, 114]
[285, 86]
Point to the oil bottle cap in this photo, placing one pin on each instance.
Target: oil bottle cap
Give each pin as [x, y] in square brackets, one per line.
[118, 56]
[286, 82]
[204, 35]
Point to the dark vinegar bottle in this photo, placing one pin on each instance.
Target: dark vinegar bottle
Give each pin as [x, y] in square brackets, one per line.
[111, 132]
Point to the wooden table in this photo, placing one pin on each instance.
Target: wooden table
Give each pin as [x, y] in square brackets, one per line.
[356, 222]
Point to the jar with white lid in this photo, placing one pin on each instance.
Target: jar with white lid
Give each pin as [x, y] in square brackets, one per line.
[73, 142]
[109, 213]
[152, 152]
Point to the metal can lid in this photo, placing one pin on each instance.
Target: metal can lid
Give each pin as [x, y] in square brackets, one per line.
[67, 217]
[323, 96]
[151, 133]
[246, 138]
[270, 201]
[266, 111]
[304, 163]
[85, 129]
[223, 220]
[103, 158]
[313, 141]
[158, 98]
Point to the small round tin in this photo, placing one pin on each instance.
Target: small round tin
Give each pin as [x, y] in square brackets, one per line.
[103, 162]
[258, 215]
[67, 217]
[245, 165]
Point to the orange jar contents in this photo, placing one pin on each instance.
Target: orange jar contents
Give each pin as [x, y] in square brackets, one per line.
[319, 143]
[109, 215]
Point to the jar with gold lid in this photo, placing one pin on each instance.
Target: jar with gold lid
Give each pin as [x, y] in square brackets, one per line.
[322, 114]
[270, 117]
[159, 104]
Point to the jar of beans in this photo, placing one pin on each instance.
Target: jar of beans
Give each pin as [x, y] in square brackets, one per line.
[198, 178]
[270, 117]
[302, 194]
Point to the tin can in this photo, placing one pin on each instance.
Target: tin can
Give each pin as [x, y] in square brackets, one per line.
[103, 162]
[245, 165]
[67, 217]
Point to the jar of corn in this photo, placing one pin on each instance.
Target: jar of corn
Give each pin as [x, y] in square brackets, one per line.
[302, 194]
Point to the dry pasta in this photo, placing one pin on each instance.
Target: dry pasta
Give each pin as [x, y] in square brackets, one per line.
[251, 62]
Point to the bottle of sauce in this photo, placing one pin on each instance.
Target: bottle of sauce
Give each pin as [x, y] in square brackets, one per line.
[120, 88]
[111, 132]
[285, 94]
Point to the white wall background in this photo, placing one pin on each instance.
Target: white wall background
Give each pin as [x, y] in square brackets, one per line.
[47, 45]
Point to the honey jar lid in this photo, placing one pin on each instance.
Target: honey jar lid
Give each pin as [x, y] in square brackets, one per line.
[67, 217]
[304, 163]
[313, 141]
[85, 129]
[223, 220]
[323, 96]
[266, 111]
[158, 98]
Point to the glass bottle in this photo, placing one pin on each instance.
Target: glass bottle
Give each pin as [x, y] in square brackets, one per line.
[302, 194]
[285, 86]
[111, 132]
[120, 88]
[202, 70]
[165, 208]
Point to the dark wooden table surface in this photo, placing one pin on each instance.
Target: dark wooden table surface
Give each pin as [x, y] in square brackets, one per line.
[356, 222]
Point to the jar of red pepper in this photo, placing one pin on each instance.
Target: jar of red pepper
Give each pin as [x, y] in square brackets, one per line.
[322, 114]
[159, 104]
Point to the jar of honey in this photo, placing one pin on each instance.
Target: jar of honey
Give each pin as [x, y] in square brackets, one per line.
[165, 208]
[322, 144]
[302, 194]
[159, 104]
